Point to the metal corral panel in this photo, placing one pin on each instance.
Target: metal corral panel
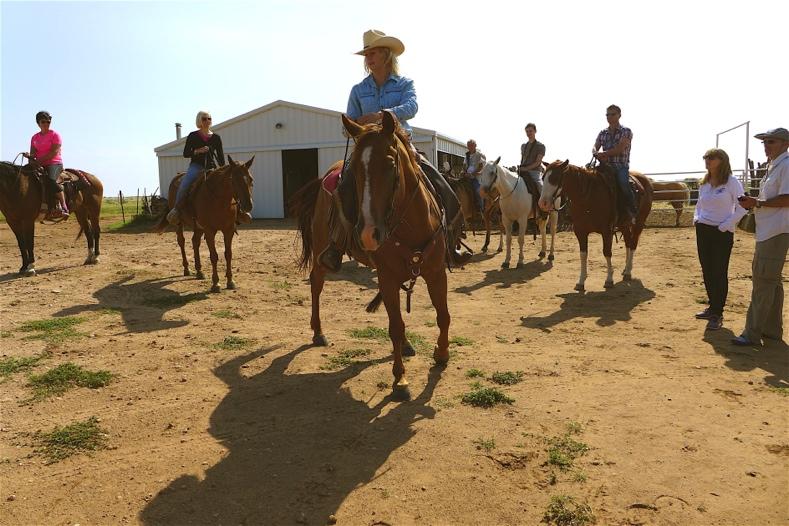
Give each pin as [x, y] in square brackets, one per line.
[267, 192]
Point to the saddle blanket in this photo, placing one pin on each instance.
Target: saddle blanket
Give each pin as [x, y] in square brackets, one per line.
[331, 181]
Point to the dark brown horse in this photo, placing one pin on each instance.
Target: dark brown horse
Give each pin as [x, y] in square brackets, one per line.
[21, 198]
[399, 231]
[468, 207]
[211, 207]
[593, 208]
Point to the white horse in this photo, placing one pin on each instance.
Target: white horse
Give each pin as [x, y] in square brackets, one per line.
[516, 205]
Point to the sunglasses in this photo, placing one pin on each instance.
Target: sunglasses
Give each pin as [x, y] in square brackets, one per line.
[770, 141]
[710, 157]
[42, 122]
[206, 118]
[611, 114]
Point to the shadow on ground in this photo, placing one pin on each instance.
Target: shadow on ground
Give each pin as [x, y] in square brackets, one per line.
[298, 445]
[773, 357]
[608, 306]
[142, 304]
[505, 278]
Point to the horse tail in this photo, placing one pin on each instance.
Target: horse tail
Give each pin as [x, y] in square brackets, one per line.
[162, 221]
[373, 305]
[302, 207]
[81, 230]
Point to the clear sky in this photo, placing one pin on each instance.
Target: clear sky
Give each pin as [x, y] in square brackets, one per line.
[117, 75]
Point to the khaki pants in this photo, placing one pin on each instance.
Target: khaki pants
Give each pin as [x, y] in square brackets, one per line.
[765, 314]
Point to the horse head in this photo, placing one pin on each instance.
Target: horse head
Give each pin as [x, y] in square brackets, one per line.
[488, 176]
[378, 163]
[552, 182]
[242, 181]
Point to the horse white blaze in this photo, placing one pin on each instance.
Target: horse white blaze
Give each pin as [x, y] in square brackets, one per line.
[368, 241]
[548, 192]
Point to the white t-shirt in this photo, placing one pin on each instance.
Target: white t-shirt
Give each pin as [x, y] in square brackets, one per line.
[718, 205]
[772, 221]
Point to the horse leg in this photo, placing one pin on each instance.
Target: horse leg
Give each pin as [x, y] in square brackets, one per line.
[522, 222]
[678, 209]
[608, 239]
[84, 224]
[583, 245]
[228, 236]
[94, 226]
[20, 241]
[554, 225]
[508, 231]
[210, 240]
[437, 288]
[29, 237]
[317, 279]
[542, 224]
[631, 244]
[391, 298]
[179, 234]
[196, 235]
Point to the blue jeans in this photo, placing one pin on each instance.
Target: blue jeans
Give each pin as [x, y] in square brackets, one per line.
[477, 196]
[53, 170]
[192, 173]
[623, 180]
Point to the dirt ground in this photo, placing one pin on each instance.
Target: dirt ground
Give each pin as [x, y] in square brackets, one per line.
[681, 427]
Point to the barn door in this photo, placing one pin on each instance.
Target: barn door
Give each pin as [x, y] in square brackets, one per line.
[299, 167]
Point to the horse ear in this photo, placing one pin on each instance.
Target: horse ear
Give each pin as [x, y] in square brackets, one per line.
[545, 164]
[496, 162]
[389, 122]
[353, 129]
[248, 163]
[563, 166]
[230, 160]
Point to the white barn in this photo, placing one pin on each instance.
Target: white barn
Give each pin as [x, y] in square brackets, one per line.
[292, 143]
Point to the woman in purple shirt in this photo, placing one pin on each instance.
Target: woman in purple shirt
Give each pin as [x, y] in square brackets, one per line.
[384, 89]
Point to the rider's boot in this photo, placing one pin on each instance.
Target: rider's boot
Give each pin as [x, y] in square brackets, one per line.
[339, 230]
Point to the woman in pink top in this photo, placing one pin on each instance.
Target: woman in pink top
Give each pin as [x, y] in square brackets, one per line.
[45, 150]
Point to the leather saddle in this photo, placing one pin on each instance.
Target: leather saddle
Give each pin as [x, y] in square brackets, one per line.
[609, 176]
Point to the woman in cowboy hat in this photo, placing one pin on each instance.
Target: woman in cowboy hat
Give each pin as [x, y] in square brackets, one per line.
[385, 89]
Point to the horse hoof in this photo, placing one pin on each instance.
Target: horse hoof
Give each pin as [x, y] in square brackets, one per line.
[408, 349]
[627, 277]
[96, 260]
[499, 250]
[215, 287]
[579, 287]
[541, 254]
[484, 250]
[320, 340]
[27, 272]
[401, 392]
[231, 285]
[440, 357]
[186, 272]
[199, 275]
[505, 265]
[550, 257]
[609, 284]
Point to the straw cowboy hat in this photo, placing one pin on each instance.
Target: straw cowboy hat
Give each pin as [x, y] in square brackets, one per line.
[374, 38]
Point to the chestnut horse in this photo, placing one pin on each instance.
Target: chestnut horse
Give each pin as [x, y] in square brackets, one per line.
[211, 207]
[398, 232]
[593, 209]
[21, 198]
[468, 207]
[675, 191]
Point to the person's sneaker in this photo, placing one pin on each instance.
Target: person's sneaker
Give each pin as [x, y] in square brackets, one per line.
[714, 323]
[703, 315]
[173, 217]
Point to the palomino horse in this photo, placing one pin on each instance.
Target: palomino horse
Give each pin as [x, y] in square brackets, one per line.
[399, 231]
[211, 207]
[516, 205]
[675, 191]
[468, 207]
[593, 209]
[21, 197]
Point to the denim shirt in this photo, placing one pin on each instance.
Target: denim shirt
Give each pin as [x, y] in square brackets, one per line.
[397, 94]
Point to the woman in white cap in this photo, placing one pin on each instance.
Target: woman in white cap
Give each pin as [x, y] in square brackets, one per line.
[385, 89]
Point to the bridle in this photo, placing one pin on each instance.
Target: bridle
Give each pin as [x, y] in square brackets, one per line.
[235, 192]
[495, 178]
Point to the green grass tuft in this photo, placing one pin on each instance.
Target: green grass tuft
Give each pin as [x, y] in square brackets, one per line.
[53, 330]
[475, 373]
[461, 341]
[488, 444]
[69, 440]
[507, 377]
[370, 333]
[226, 314]
[346, 358]
[280, 285]
[574, 428]
[11, 365]
[562, 451]
[109, 311]
[65, 376]
[485, 396]
[234, 343]
[565, 511]
[133, 222]
[780, 390]
[5, 334]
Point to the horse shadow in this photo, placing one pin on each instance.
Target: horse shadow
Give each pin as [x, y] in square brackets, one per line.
[11, 276]
[354, 272]
[505, 278]
[610, 306]
[297, 446]
[772, 358]
[141, 304]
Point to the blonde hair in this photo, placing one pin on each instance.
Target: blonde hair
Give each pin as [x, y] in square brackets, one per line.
[390, 60]
[724, 170]
[200, 115]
